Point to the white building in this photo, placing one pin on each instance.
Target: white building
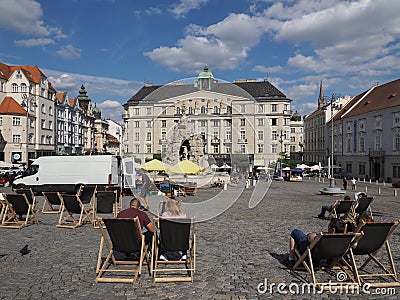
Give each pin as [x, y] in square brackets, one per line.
[367, 134]
[115, 130]
[243, 118]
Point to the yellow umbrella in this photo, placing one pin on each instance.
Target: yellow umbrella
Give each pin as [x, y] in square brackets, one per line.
[155, 165]
[185, 167]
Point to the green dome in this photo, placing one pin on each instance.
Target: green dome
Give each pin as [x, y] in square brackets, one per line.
[96, 112]
[296, 117]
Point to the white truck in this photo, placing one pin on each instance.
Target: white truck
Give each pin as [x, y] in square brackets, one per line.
[67, 173]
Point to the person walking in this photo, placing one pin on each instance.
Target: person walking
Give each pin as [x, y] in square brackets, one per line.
[353, 184]
[145, 189]
[344, 183]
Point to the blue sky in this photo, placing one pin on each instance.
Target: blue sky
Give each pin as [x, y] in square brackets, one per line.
[114, 46]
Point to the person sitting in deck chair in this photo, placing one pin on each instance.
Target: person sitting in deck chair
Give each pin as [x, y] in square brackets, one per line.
[300, 240]
[324, 209]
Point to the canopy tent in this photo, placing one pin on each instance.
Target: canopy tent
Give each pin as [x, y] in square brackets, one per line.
[214, 167]
[155, 165]
[315, 168]
[303, 166]
[185, 167]
[264, 168]
[286, 169]
[225, 166]
[330, 167]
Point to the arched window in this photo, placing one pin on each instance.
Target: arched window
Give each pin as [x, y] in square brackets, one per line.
[43, 108]
[216, 110]
[50, 111]
[190, 110]
[23, 88]
[43, 139]
[203, 110]
[178, 110]
[14, 88]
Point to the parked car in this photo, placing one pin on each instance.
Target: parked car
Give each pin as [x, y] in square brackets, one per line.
[9, 170]
[396, 184]
[4, 179]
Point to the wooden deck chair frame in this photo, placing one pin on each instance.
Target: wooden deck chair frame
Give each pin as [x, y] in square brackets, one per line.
[375, 236]
[342, 207]
[17, 204]
[123, 235]
[87, 194]
[118, 189]
[72, 204]
[105, 203]
[174, 274]
[330, 246]
[50, 199]
[3, 206]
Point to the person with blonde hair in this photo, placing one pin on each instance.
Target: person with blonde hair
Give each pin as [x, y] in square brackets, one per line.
[173, 210]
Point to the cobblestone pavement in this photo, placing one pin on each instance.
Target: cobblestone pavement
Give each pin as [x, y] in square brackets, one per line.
[236, 251]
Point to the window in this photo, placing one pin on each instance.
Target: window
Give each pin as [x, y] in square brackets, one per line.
[137, 124]
[43, 109]
[216, 148]
[23, 88]
[292, 130]
[190, 111]
[163, 123]
[164, 111]
[228, 148]
[148, 111]
[274, 135]
[260, 135]
[292, 148]
[43, 122]
[50, 111]
[274, 107]
[274, 122]
[242, 108]
[348, 168]
[242, 149]
[14, 87]
[274, 147]
[260, 148]
[242, 122]
[260, 108]
[137, 111]
[203, 110]
[397, 142]
[242, 135]
[260, 122]
[178, 111]
[378, 142]
[148, 124]
[292, 139]
[361, 169]
[163, 148]
[163, 135]
[362, 145]
[18, 75]
[137, 136]
[148, 148]
[16, 138]
[228, 135]
[137, 148]
[215, 123]
[148, 136]
[229, 110]
[203, 123]
[215, 135]
[50, 124]
[216, 110]
[396, 171]
[228, 123]
[16, 121]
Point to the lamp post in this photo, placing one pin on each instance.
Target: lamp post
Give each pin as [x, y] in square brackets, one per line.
[26, 103]
[281, 154]
[332, 189]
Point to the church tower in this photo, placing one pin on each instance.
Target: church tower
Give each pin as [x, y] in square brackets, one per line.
[321, 102]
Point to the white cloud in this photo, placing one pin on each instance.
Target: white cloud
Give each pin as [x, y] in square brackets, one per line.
[184, 6]
[69, 52]
[34, 42]
[304, 108]
[71, 83]
[111, 109]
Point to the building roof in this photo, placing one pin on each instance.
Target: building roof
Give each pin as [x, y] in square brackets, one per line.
[378, 98]
[4, 71]
[348, 105]
[259, 90]
[11, 107]
[32, 73]
[112, 139]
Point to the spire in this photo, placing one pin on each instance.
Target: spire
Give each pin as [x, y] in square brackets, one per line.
[321, 96]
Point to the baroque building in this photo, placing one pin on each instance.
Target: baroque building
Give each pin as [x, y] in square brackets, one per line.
[207, 117]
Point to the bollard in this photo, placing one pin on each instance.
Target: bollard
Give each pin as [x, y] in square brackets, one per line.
[323, 180]
[395, 192]
[225, 186]
[383, 183]
[379, 191]
[364, 180]
[247, 184]
[376, 182]
[366, 189]
[370, 181]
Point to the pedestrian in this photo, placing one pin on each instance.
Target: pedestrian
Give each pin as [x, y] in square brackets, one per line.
[353, 184]
[345, 183]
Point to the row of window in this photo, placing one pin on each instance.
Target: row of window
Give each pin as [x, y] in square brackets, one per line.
[362, 168]
[45, 139]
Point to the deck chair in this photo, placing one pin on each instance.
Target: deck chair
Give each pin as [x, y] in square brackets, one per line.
[87, 194]
[175, 235]
[51, 199]
[3, 206]
[72, 204]
[118, 189]
[105, 203]
[123, 236]
[17, 205]
[29, 195]
[330, 247]
[342, 207]
[361, 205]
[376, 235]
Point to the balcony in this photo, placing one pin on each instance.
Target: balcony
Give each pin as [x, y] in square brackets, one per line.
[227, 141]
[242, 141]
[162, 142]
[215, 141]
[376, 153]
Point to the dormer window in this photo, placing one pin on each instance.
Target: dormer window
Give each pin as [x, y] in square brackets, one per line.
[19, 75]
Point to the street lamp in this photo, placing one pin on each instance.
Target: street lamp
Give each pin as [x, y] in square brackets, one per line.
[281, 142]
[26, 102]
[332, 189]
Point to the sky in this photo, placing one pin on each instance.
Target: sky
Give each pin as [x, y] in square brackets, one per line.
[113, 47]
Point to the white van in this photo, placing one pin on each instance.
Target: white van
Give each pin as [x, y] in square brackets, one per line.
[67, 173]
